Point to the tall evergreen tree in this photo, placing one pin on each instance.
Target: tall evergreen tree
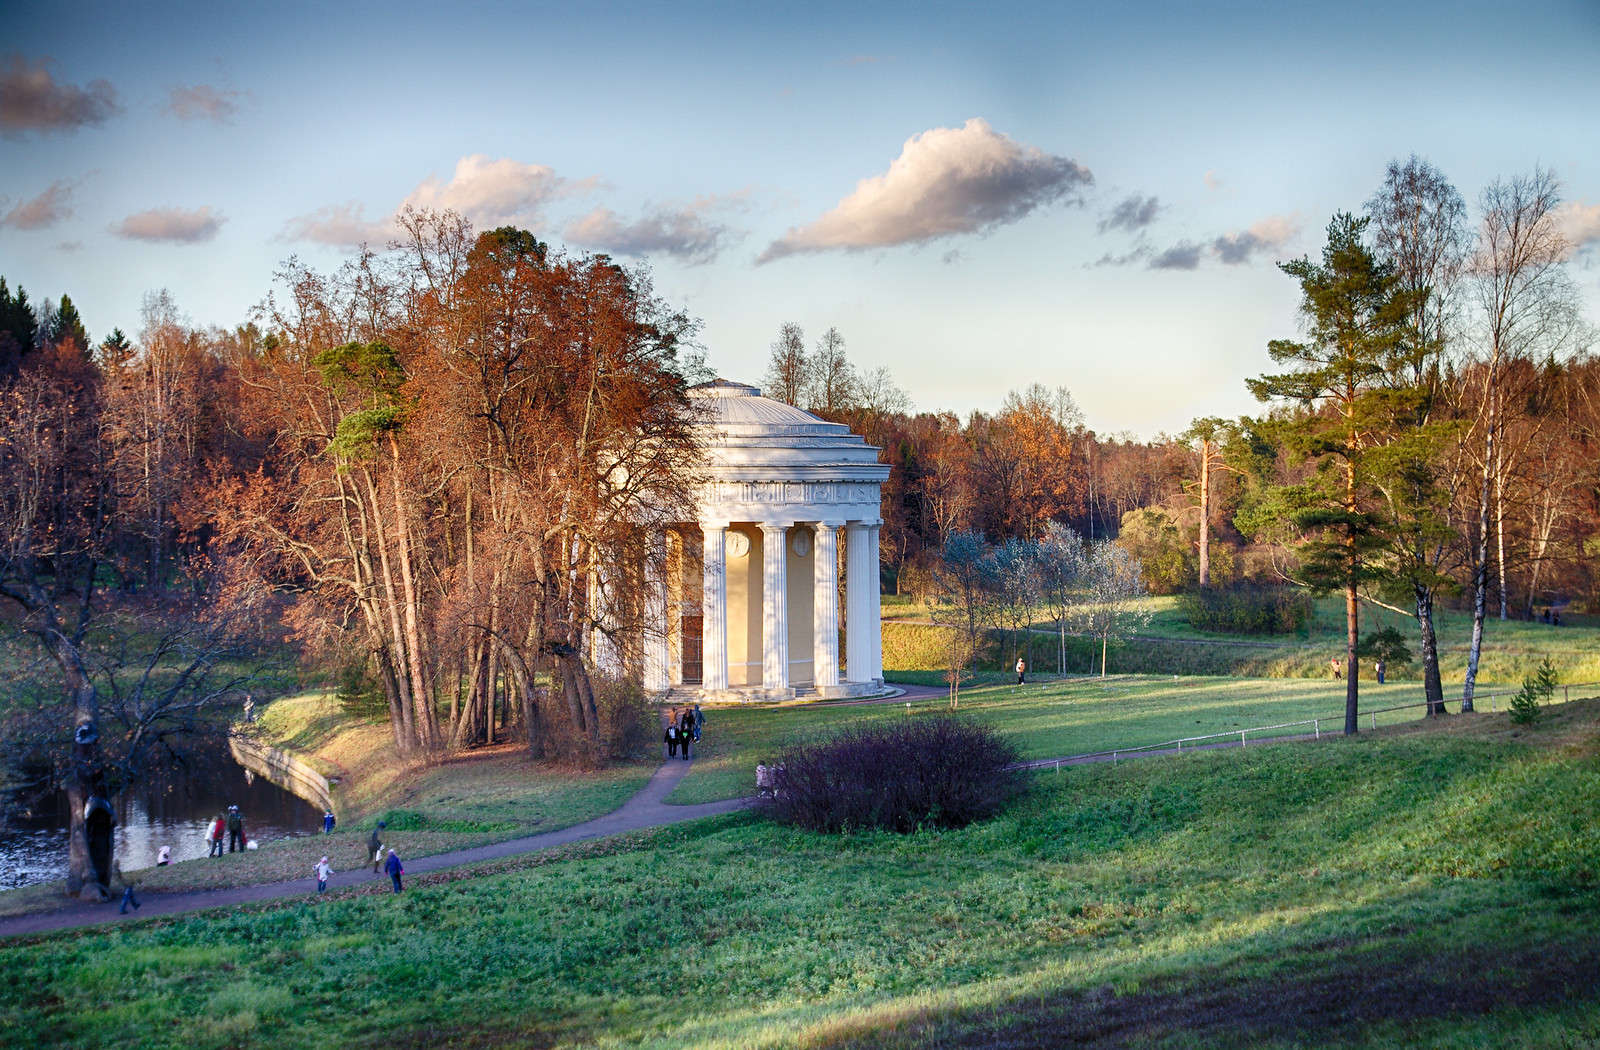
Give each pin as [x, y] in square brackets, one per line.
[1355, 315]
[18, 327]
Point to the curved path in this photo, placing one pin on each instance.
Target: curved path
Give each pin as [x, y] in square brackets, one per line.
[644, 810]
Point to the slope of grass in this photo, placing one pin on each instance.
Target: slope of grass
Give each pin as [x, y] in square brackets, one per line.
[1049, 718]
[1431, 885]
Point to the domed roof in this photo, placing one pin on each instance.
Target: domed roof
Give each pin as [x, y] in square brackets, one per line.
[747, 436]
[739, 415]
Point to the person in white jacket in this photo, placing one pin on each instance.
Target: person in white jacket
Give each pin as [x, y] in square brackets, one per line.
[323, 870]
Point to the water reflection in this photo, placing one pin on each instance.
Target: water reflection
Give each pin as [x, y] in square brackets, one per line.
[176, 813]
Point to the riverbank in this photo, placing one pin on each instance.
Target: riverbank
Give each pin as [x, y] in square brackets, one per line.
[485, 796]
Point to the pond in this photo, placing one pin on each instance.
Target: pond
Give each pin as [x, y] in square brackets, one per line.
[176, 812]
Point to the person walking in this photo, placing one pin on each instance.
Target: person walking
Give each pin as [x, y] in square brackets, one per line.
[375, 846]
[699, 722]
[127, 889]
[1022, 678]
[671, 737]
[685, 731]
[217, 828]
[327, 822]
[394, 868]
[1335, 665]
[323, 869]
[235, 830]
[1380, 668]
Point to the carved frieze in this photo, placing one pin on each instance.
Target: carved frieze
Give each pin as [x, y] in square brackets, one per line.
[780, 492]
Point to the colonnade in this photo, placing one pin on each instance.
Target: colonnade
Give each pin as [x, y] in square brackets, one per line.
[862, 666]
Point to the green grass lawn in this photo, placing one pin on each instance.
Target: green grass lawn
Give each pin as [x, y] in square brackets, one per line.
[1168, 645]
[1055, 717]
[1429, 885]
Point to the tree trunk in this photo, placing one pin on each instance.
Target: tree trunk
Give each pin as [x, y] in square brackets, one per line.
[1480, 568]
[1432, 686]
[1352, 608]
[425, 719]
[1205, 514]
[1500, 525]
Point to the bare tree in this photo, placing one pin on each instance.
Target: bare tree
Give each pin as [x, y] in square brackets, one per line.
[835, 387]
[1113, 604]
[1062, 567]
[1419, 226]
[1526, 305]
[789, 369]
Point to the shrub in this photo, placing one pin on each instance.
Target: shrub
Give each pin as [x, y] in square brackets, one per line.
[934, 771]
[1247, 609]
[1537, 688]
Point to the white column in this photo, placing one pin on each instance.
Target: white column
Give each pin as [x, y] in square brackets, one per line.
[774, 606]
[825, 604]
[874, 607]
[714, 608]
[860, 584]
[657, 656]
[673, 579]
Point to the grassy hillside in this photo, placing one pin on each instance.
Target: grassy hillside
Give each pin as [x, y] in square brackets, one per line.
[1433, 885]
[1050, 718]
[1168, 645]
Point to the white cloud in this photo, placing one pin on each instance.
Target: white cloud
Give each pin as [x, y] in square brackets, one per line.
[1581, 224]
[683, 232]
[1270, 234]
[171, 225]
[202, 102]
[496, 192]
[946, 182]
[45, 210]
[340, 226]
[487, 192]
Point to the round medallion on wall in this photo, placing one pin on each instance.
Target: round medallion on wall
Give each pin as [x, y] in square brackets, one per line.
[801, 544]
[738, 544]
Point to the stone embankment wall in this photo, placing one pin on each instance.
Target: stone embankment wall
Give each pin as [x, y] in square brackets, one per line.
[280, 767]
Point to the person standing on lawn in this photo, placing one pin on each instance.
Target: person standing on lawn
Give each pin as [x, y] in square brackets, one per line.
[1022, 678]
[218, 827]
[1380, 668]
[327, 822]
[394, 868]
[699, 722]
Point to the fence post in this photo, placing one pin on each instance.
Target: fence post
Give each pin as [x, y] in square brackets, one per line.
[1241, 738]
[1113, 758]
[1316, 727]
[1374, 721]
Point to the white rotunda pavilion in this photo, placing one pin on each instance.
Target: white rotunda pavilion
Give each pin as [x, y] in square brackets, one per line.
[751, 590]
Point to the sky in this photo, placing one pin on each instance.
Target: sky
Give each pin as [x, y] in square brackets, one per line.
[979, 197]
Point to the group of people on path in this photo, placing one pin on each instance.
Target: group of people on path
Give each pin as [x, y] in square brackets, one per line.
[384, 857]
[683, 730]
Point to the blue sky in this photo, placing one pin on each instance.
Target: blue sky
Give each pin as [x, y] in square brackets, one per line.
[1009, 236]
